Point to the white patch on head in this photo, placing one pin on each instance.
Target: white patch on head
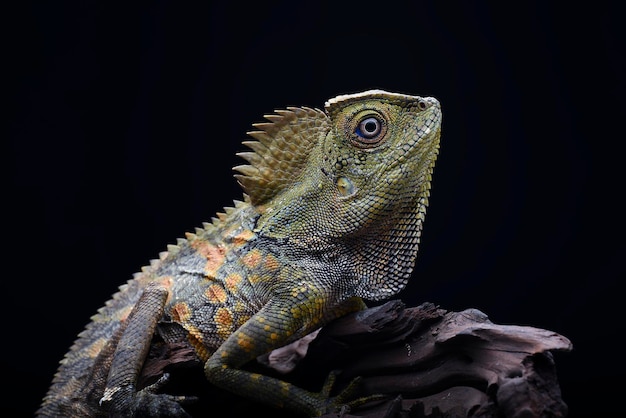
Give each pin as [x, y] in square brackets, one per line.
[368, 93]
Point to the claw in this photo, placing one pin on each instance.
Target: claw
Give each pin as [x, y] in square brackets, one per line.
[367, 399]
[346, 400]
[350, 390]
[150, 403]
[329, 383]
[153, 388]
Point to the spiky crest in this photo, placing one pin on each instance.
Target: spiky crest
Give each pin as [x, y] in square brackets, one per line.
[280, 151]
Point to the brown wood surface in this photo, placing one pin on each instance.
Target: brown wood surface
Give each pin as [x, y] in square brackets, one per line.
[428, 362]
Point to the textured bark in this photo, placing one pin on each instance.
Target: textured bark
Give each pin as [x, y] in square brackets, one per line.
[429, 362]
[449, 364]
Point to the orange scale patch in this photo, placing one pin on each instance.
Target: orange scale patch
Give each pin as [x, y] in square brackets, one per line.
[180, 312]
[271, 262]
[245, 342]
[224, 320]
[196, 340]
[233, 281]
[243, 237]
[252, 259]
[216, 294]
[214, 254]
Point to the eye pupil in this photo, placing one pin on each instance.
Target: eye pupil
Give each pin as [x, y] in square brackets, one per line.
[369, 128]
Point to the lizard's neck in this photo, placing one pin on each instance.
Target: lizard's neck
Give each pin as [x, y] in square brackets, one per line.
[379, 243]
[302, 214]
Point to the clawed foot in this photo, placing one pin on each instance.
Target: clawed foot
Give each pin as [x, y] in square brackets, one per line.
[147, 402]
[347, 400]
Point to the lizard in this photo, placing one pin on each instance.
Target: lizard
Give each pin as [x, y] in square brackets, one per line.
[333, 206]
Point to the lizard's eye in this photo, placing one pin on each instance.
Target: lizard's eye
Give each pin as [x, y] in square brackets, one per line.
[370, 131]
[366, 129]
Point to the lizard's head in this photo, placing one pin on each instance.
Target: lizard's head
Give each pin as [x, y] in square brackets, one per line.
[381, 152]
[355, 177]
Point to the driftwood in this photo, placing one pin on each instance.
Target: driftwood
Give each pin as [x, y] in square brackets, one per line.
[428, 362]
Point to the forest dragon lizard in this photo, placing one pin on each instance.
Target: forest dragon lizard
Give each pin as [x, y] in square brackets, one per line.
[332, 214]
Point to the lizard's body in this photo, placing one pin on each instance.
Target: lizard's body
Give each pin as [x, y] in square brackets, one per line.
[332, 214]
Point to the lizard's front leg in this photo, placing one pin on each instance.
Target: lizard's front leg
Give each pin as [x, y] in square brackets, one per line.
[275, 324]
[121, 397]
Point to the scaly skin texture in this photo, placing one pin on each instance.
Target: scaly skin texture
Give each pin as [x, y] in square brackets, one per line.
[332, 214]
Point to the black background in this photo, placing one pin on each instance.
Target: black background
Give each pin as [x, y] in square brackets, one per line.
[124, 120]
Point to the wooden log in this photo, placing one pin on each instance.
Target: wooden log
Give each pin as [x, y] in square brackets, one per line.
[427, 361]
